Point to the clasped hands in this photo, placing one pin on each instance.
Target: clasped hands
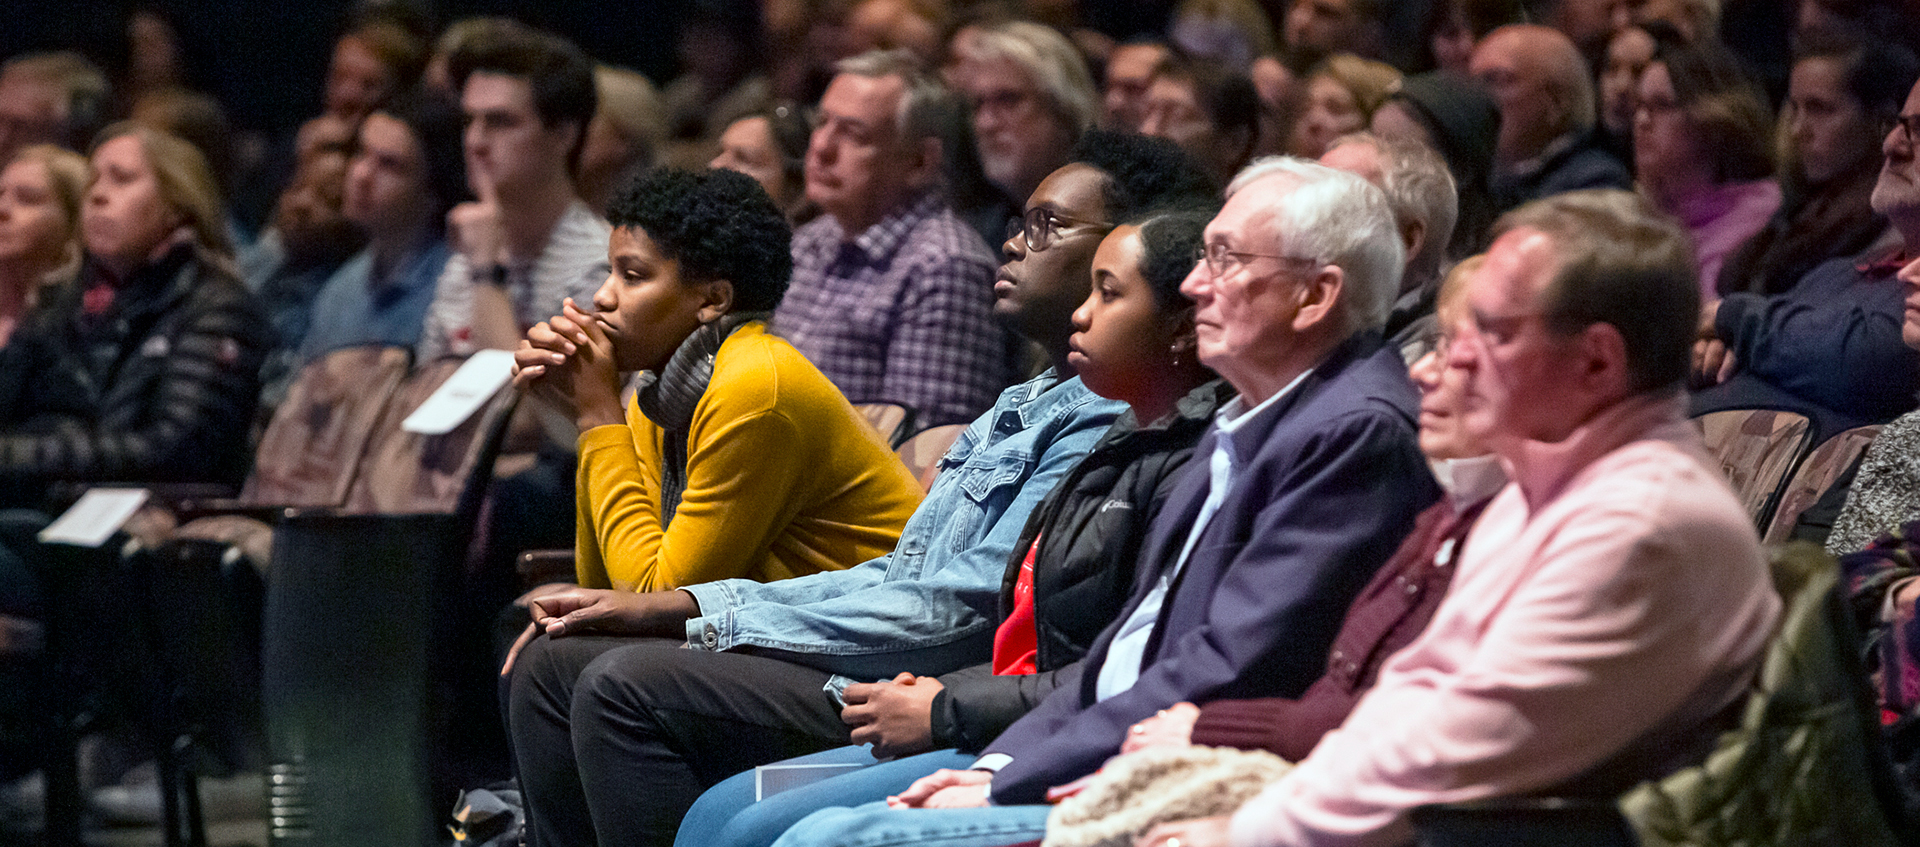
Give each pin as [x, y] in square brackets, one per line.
[567, 360]
[573, 611]
[1712, 361]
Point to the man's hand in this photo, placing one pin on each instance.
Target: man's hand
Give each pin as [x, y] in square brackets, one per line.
[945, 789]
[1199, 832]
[895, 717]
[1712, 361]
[475, 228]
[573, 610]
[600, 610]
[1172, 727]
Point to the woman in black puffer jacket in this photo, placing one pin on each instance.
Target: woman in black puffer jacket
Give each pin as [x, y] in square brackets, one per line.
[145, 367]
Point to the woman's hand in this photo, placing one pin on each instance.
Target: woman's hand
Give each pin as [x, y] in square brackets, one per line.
[945, 789]
[567, 360]
[1172, 727]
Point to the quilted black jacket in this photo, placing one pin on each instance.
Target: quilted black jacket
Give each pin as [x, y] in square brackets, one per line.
[158, 388]
[1090, 530]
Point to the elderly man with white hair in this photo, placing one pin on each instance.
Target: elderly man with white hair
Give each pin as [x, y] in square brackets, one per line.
[1031, 96]
[1426, 205]
[1313, 477]
[1611, 604]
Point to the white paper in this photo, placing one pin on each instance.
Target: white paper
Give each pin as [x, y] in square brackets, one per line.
[769, 780]
[99, 514]
[462, 394]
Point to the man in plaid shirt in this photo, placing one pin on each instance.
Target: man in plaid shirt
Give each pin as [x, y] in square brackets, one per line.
[892, 293]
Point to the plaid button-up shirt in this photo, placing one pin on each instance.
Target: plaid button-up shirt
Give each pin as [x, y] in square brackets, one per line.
[900, 313]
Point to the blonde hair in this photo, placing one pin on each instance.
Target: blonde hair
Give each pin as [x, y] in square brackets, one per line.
[185, 181]
[1370, 82]
[630, 102]
[67, 172]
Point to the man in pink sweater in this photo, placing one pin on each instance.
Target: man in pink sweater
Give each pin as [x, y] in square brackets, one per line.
[1613, 601]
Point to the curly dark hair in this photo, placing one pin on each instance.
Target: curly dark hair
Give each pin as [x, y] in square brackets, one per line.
[1170, 245]
[718, 225]
[1143, 173]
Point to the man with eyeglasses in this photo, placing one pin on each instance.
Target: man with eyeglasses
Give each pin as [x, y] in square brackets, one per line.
[891, 291]
[1611, 606]
[711, 680]
[1310, 479]
[1829, 347]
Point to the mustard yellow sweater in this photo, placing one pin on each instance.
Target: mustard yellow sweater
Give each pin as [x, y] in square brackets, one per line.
[784, 478]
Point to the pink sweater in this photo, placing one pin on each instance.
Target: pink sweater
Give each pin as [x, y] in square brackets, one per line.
[1615, 589]
[1722, 218]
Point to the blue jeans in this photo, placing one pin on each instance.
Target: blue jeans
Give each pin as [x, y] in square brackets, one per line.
[875, 825]
[727, 816]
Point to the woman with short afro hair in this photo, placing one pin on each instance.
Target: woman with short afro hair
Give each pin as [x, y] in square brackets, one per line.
[736, 457]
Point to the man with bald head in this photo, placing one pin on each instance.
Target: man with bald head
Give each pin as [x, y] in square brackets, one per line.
[1547, 145]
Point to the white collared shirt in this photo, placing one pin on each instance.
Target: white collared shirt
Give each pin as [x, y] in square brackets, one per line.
[1124, 656]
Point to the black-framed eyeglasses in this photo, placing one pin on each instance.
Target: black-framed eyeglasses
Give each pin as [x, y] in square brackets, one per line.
[1042, 228]
[1222, 261]
[1909, 125]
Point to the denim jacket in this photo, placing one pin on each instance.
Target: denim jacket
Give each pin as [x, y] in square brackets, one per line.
[930, 606]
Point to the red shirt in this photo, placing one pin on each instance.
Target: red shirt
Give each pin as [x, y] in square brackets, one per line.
[1016, 642]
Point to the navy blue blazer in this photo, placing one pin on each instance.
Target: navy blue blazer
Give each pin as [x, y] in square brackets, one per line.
[1334, 486]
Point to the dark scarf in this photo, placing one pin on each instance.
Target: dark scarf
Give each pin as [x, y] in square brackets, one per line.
[669, 397]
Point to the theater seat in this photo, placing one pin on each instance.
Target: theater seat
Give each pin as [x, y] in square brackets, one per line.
[893, 421]
[922, 452]
[356, 630]
[1757, 449]
[1815, 475]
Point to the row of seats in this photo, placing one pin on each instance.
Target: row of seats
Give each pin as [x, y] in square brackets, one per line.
[366, 526]
[1775, 468]
[358, 516]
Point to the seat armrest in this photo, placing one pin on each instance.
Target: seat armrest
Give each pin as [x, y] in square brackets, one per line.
[1523, 822]
[539, 567]
[187, 510]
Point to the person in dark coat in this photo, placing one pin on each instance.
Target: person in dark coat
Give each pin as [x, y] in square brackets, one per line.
[145, 369]
[1312, 478]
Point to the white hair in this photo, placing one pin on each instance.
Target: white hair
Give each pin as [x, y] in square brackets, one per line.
[1336, 217]
[1051, 60]
[1420, 188]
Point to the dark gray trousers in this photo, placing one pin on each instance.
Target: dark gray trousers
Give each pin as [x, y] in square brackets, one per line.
[614, 738]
